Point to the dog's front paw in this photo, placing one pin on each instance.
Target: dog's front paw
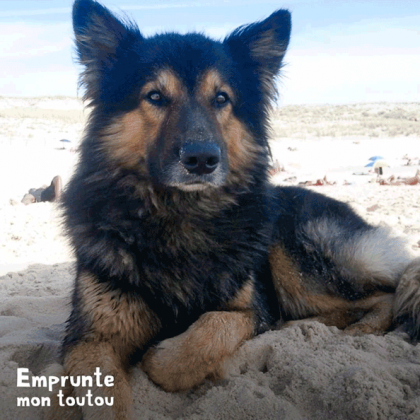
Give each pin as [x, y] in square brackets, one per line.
[176, 364]
[360, 328]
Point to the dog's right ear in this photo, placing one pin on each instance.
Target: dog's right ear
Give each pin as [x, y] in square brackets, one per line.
[100, 36]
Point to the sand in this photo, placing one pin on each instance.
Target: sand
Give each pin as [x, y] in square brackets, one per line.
[302, 372]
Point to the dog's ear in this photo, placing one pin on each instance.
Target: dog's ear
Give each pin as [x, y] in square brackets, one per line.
[100, 39]
[261, 47]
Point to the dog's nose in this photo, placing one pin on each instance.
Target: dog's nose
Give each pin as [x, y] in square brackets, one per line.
[200, 157]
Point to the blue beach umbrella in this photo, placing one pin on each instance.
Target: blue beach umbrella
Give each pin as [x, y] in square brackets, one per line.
[378, 163]
[376, 157]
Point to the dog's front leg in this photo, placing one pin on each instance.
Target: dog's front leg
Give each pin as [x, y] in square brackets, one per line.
[184, 361]
[83, 361]
[104, 329]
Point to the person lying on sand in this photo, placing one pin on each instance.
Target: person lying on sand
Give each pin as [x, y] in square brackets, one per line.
[415, 180]
[317, 183]
[51, 193]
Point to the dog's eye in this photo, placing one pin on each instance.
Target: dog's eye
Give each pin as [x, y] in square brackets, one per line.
[154, 96]
[222, 98]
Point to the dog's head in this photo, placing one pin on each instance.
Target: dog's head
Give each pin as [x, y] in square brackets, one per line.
[184, 111]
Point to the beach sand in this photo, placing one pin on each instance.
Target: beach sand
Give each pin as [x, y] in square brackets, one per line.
[302, 372]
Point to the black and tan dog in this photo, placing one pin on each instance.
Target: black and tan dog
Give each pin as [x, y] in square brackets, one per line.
[184, 250]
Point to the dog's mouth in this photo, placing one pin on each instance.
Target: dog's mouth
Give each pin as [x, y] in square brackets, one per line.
[194, 186]
[176, 177]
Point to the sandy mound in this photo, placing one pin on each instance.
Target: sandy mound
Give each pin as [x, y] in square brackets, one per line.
[302, 372]
[308, 372]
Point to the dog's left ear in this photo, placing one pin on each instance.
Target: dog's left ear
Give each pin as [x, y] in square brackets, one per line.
[261, 46]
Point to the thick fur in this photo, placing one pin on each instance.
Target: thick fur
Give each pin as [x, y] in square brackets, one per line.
[184, 250]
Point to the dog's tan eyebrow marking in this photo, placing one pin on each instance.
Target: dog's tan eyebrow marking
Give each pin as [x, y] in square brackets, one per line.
[211, 83]
[166, 82]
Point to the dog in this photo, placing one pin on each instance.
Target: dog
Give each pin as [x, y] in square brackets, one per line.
[184, 248]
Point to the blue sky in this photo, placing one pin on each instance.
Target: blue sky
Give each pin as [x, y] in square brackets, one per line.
[341, 51]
